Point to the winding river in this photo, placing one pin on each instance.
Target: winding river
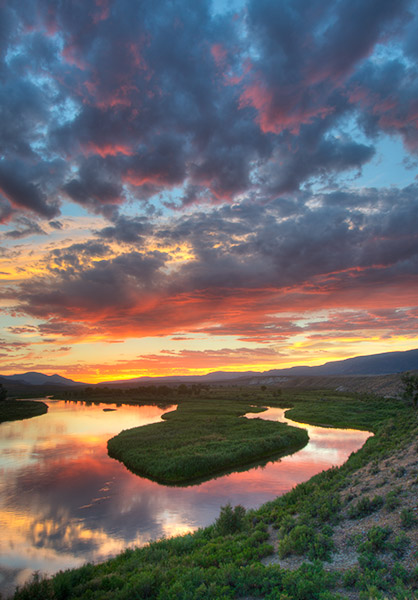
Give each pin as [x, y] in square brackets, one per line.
[63, 501]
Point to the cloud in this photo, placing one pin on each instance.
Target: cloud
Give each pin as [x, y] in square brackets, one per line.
[387, 96]
[27, 227]
[243, 268]
[21, 192]
[56, 225]
[306, 52]
[118, 103]
[12, 346]
[402, 321]
[125, 230]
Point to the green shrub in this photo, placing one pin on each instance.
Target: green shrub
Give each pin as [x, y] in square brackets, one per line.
[230, 520]
[287, 523]
[365, 507]
[399, 573]
[408, 519]
[303, 539]
[400, 545]
[351, 577]
[37, 589]
[375, 540]
[392, 499]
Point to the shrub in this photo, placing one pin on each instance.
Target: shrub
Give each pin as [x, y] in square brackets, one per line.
[287, 523]
[38, 589]
[408, 519]
[304, 539]
[351, 577]
[399, 573]
[399, 545]
[365, 507]
[230, 520]
[376, 540]
[392, 499]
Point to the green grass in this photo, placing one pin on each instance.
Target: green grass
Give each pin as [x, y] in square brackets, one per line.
[223, 560]
[202, 438]
[13, 410]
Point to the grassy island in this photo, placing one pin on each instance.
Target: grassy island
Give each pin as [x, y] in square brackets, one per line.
[14, 410]
[202, 438]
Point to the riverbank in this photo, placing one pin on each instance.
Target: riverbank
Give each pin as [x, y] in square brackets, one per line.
[14, 410]
[243, 554]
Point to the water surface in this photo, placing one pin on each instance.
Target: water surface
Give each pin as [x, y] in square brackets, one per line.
[63, 501]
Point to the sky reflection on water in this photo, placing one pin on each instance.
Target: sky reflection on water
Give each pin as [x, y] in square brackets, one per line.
[63, 501]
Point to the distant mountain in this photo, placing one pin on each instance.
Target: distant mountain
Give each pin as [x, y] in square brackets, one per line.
[214, 376]
[33, 378]
[373, 364]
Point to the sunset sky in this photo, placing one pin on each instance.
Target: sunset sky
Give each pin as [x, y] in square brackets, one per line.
[190, 186]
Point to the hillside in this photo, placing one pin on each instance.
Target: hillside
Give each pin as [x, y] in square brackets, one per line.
[383, 385]
[376, 527]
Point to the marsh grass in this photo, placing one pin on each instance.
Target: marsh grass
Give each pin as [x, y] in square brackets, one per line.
[223, 560]
[14, 410]
[202, 438]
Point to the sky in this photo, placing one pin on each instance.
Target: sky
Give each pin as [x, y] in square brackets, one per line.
[188, 187]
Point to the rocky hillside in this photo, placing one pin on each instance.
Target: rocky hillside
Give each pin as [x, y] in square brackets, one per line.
[381, 385]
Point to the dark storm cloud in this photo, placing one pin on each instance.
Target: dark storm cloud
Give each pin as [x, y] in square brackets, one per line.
[305, 51]
[22, 109]
[69, 260]
[328, 155]
[245, 259]
[388, 96]
[96, 185]
[6, 210]
[261, 249]
[16, 186]
[136, 99]
[92, 287]
[126, 230]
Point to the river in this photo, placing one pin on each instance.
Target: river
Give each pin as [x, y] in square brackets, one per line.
[64, 502]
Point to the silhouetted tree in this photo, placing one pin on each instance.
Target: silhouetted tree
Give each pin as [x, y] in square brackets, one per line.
[3, 392]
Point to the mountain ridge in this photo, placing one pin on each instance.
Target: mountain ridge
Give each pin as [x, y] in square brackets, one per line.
[385, 363]
[35, 378]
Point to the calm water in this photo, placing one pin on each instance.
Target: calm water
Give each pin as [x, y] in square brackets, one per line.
[63, 501]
